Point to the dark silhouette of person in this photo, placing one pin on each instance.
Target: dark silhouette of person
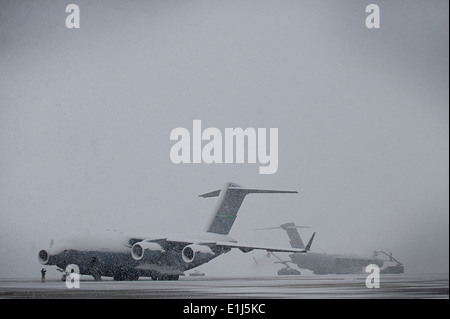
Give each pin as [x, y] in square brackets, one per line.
[43, 271]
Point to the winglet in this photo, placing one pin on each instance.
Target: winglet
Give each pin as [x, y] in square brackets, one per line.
[308, 246]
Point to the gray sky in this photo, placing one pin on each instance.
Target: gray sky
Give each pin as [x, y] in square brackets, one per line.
[362, 115]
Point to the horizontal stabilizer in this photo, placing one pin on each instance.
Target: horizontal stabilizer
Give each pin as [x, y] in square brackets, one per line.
[288, 226]
[246, 191]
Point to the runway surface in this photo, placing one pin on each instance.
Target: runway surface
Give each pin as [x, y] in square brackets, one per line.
[397, 286]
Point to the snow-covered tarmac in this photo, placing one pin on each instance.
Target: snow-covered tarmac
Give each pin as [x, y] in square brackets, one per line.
[277, 287]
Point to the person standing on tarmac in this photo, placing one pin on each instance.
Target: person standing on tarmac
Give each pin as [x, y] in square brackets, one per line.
[43, 271]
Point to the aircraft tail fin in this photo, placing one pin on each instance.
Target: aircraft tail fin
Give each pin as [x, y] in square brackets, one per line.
[231, 197]
[294, 237]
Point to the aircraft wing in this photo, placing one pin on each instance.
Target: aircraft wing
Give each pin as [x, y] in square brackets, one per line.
[208, 240]
[247, 248]
[243, 247]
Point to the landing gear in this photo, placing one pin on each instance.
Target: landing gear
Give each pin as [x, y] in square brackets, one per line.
[94, 269]
[97, 276]
[165, 277]
[169, 277]
[123, 275]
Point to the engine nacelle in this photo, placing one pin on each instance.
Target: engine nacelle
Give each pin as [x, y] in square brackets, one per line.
[44, 257]
[145, 249]
[193, 251]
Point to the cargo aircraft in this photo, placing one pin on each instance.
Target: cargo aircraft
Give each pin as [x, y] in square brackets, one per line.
[321, 263]
[128, 257]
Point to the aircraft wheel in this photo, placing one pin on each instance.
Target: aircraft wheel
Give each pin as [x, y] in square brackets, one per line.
[124, 275]
[169, 277]
[97, 277]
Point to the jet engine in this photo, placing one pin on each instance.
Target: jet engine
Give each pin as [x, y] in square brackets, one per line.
[43, 257]
[194, 251]
[145, 249]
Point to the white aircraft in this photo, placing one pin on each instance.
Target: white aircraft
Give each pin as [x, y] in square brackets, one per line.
[127, 257]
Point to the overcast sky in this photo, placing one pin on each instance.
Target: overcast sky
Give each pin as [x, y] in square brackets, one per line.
[362, 117]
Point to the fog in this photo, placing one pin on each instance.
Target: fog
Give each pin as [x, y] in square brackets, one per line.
[362, 117]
